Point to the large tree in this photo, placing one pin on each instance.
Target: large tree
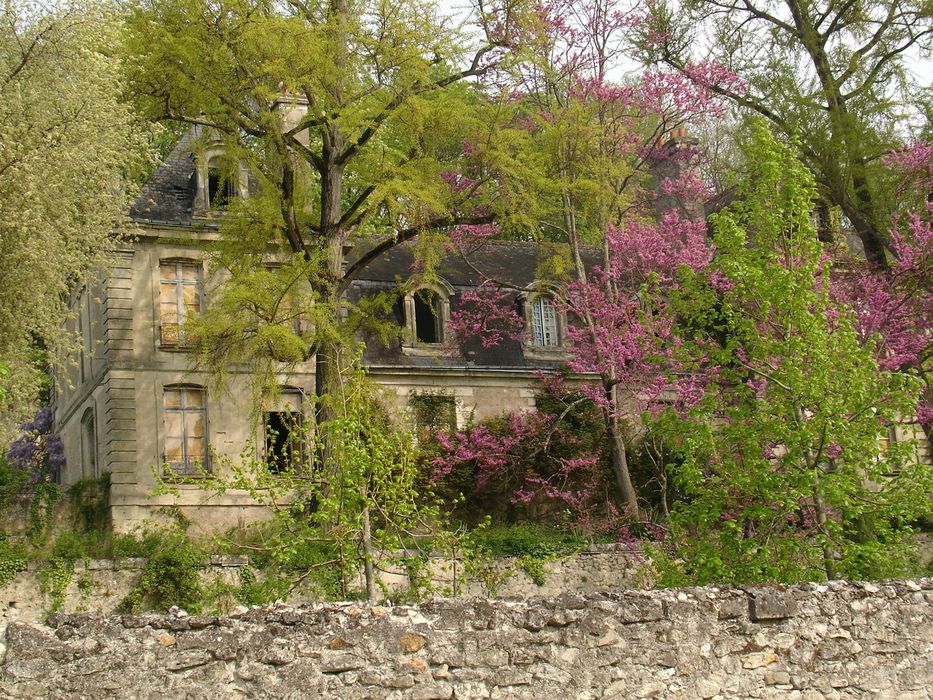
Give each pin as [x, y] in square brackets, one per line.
[832, 74]
[598, 176]
[780, 461]
[348, 111]
[68, 146]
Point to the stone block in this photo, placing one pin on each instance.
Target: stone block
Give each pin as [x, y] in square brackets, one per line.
[226, 560]
[338, 662]
[640, 609]
[769, 605]
[432, 691]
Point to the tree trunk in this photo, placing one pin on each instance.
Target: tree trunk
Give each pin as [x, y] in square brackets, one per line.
[828, 557]
[617, 455]
[367, 543]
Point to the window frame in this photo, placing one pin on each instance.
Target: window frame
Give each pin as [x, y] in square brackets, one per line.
[530, 348]
[188, 467]
[296, 461]
[411, 344]
[181, 310]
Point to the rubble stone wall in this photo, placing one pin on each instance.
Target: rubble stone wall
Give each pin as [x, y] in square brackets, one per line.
[835, 640]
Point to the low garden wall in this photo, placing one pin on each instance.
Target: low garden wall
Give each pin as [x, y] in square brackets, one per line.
[99, 586]
[809, 641]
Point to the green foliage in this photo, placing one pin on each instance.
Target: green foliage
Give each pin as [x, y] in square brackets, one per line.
[61, 112]
[833, 76]
[44, 497]
[12, 559]
[90, 503]
[12, 482]
[779, 464]
[328, 520]
[252, 591]
[420, 581]
[170, 577]
[481, 552]
[54, 578]
[528, 539]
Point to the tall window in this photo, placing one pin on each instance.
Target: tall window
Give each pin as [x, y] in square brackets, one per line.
[185, 429]
[283, 433]
[180, 291]
[429, 326]
[88, 445]
[544, 323]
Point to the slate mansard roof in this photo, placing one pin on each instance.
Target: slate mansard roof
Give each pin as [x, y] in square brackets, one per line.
[168, 195]
[168, 198]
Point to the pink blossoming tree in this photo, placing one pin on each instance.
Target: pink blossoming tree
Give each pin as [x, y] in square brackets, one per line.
[602, 178]
[894, 305]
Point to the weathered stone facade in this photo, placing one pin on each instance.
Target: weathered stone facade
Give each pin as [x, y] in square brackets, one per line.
[835, 640]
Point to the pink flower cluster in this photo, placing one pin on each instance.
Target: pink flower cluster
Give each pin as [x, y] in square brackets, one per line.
[487, 313]
[516, 458]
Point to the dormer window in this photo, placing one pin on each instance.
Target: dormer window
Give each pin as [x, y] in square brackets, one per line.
[429, 326]
[546, 325]
[220, 182]
[425, 313]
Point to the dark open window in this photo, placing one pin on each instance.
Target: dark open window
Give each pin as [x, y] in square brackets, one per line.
[221, 188]
[283, 433]
[428, 327]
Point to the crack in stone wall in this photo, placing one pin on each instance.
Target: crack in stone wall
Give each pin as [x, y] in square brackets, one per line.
[809, 641]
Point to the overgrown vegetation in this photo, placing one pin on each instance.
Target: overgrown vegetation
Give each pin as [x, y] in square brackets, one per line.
[763, 384]
[170, 576]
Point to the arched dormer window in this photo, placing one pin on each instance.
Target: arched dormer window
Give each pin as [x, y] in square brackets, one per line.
[219, 183]
[222, 188]
[546, 323]
[425, 311]
[544, 327]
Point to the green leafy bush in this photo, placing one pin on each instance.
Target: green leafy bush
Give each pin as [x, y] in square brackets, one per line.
[171, 575]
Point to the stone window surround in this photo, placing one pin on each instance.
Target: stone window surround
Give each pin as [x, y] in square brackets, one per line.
[202, 161]
[529, 348]
[410, 343]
